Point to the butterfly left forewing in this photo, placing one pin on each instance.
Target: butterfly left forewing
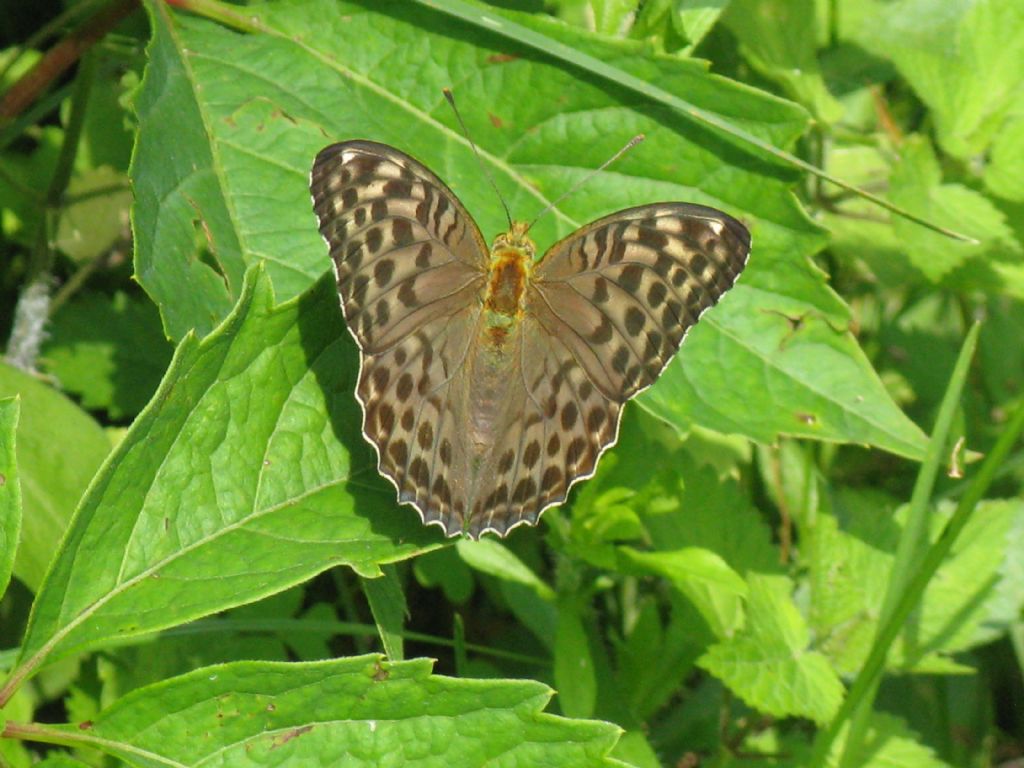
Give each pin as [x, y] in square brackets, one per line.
[622, 292]
[405, 251]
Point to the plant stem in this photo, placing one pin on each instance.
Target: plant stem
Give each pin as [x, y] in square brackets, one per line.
[33, 308]
[61, 57]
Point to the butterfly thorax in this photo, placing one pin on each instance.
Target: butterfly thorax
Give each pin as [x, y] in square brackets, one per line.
[511, 261]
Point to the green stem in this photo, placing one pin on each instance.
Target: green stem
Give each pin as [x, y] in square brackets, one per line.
[42, 256]
[222, 13]
[908, 555]
[34, 115]
[66, 737]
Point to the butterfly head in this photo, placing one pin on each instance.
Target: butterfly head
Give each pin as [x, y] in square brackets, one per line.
[515, 239]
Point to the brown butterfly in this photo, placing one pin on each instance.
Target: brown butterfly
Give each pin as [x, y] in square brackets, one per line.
[491, 381]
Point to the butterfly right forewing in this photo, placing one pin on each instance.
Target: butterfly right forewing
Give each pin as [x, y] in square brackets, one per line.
[623, 291]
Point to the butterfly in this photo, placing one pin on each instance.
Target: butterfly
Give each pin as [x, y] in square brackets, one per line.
[491, 381]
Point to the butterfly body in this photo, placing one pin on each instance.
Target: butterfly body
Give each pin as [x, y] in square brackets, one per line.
[492, 381]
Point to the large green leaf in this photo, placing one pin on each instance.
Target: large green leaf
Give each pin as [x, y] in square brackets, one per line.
[742, 371]
[246, 127]
[246, 474]
[359, 711]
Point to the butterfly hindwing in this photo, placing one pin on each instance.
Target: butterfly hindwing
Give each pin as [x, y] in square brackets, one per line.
[555, 426]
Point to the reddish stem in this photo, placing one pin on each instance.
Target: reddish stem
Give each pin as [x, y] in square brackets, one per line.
[61, 56]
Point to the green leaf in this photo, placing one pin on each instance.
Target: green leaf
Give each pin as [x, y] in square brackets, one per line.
[849, 573]
[916, 183]
[703, 577]
[178, 202]
[962, 57]
[110, 352]
[387, 603]
[10, 491]
[976, 593]
[52, 481]
[769, 664]
[246, 474]
[359, 710]
[766, 366]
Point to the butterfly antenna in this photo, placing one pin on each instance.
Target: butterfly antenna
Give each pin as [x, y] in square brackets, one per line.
[629, 145]
[451, 100]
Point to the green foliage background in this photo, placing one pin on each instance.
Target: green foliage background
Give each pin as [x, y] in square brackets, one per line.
[193, 529]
